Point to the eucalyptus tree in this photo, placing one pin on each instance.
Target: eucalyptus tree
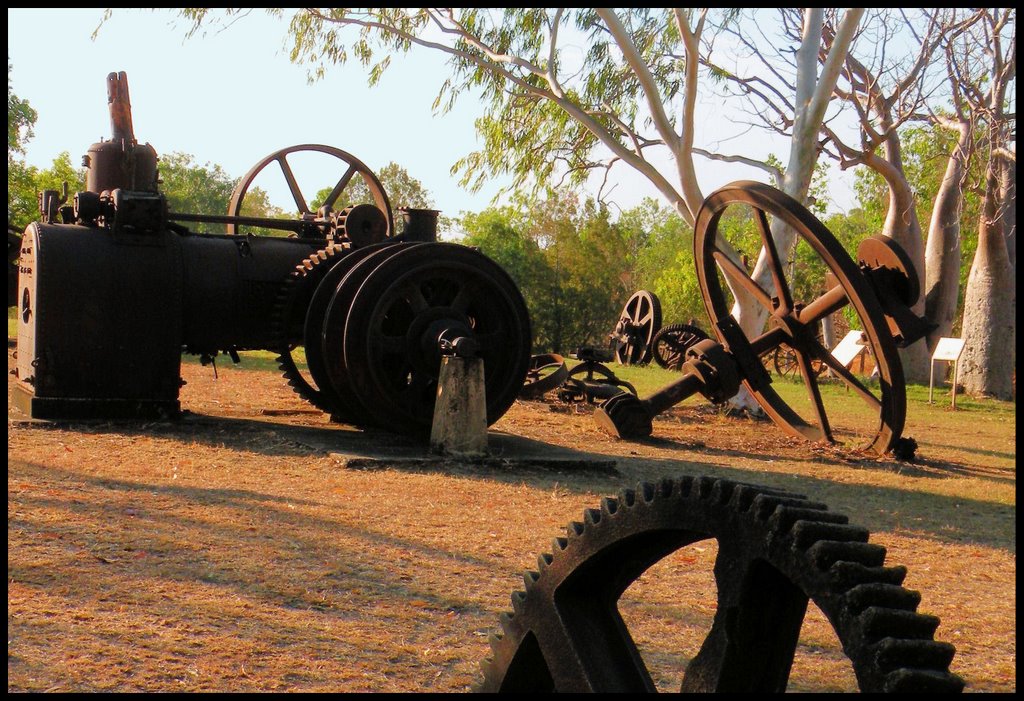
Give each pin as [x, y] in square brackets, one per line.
[555, 117]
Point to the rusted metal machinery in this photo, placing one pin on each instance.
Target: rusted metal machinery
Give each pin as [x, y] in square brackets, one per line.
[776, 552]
[114, 287]
[639, 321]
[878, 290]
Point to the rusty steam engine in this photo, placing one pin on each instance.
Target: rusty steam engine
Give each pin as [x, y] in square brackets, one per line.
[114, 287]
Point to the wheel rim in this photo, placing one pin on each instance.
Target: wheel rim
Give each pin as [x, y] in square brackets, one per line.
[353, 168]
[639, 321]
[391, 331]
[671, 343]
[788, 320]
[325, 327]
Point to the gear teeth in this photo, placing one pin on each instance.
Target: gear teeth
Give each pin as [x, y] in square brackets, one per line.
[765, 505]
[890, 645]
[862, 596]
[895, 653]
[647, 492]
[666, 487]
[807, 533]
[825, 553]
[923, 681]
[518, 601]
[881, 623]
[852, 573]
[703, 486]
[782, 519]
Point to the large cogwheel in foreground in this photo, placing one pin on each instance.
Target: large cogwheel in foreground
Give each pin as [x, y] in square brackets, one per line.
[776, 551]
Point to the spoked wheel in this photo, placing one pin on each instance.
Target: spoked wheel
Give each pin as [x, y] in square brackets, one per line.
[547, 372]
[776, 551]
[639, 321]
[786, 362]
[794, 315]
[325, 327]
[406, 306]
[349, 168]
[671, 343]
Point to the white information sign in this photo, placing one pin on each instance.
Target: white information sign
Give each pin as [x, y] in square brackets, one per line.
[948, 349]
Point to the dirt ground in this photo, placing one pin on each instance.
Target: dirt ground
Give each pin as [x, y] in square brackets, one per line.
[255, 546]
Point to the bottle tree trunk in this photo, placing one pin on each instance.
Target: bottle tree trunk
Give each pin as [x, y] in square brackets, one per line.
[990, 305]
[903, 226]
[942, 251]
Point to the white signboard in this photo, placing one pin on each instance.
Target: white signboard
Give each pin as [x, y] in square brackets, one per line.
[948, 349]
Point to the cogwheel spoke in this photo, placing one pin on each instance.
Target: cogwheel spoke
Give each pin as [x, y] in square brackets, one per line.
[293, 185]
[814, 392]
[774, 263]
[740, 276]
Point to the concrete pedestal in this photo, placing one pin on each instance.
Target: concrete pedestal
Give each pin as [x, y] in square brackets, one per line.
[459, 427]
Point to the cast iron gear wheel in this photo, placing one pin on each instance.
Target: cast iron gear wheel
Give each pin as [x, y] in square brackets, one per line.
[289, 319]
[776, 550]
[671, 343]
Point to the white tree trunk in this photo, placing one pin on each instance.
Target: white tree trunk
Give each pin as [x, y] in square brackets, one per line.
[942, 251]
[990, 307]
[813, 93]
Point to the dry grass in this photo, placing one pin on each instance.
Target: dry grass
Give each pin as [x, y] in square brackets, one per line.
[243, 550]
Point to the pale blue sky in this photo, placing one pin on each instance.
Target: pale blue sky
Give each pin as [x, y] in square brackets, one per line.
[233, 97]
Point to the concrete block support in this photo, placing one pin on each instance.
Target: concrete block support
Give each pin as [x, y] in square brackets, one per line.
[459, 426]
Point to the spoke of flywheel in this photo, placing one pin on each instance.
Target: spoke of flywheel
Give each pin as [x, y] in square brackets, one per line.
[774, 263]
[848, 377]
[293, 185]
[491, 341]
[391, 344]
[462, 298]
[342, 184]
[730, 268]
[414, 296]
[814, 392]
[599, 648]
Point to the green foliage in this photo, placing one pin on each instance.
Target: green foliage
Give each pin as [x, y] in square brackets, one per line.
[21, 204]
[576, 267]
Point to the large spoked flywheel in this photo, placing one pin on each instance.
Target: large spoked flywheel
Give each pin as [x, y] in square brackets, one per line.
[410, 301]
[796, 292]
[776, 551]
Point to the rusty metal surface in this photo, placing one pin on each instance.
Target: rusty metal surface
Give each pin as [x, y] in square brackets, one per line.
[349, 167]
[793, 321]
[547, 372]
[639, 320]
[776, 552]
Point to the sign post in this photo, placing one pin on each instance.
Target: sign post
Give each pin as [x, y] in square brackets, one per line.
[949, 350]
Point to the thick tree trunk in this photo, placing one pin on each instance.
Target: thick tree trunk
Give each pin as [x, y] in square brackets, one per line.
[990, 306]
[942, 252]
[1008, 200]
